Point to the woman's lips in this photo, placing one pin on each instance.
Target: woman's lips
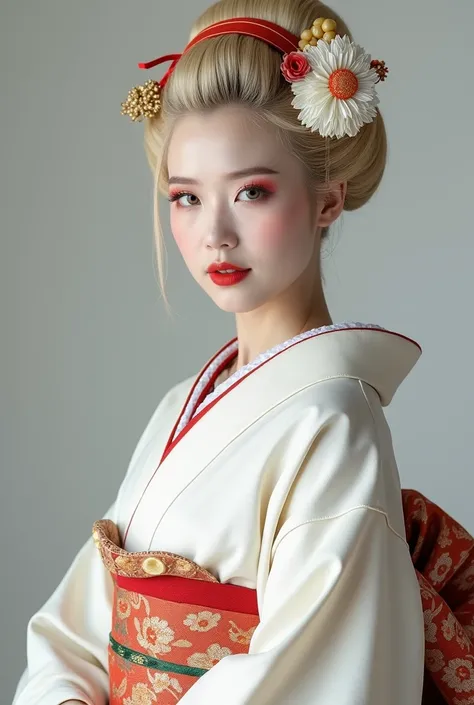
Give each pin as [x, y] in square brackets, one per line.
[229, 278]
[226, 273]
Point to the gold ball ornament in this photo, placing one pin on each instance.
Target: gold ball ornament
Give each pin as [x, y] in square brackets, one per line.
[318, 31]
[143, 101]
[329, 26]
[322, 28]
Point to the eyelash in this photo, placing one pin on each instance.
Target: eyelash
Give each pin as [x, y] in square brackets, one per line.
[249, 187]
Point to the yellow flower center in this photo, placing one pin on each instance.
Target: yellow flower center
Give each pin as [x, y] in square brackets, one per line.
[343, 84]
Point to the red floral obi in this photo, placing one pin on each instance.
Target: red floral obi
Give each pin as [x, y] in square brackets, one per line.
[442, 552]
[172, 621]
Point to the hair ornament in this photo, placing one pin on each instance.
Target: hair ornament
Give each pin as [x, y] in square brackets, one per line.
[332, 79]
[143, 101]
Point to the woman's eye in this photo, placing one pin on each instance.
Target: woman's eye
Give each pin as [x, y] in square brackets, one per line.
[183, 202]
[253, 192]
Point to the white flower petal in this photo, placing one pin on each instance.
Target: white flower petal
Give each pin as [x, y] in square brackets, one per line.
[366, 83]
[319, 109]
[345, 112]
[319, 77]
[320, 62]
[347, 60]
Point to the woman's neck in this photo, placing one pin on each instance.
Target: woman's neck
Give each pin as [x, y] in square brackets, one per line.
[258, 333]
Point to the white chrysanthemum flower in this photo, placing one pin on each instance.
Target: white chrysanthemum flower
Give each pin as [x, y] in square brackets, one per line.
[338, 95]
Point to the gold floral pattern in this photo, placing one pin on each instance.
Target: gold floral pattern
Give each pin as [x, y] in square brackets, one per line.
[158, 648]
[463, 700]
[240, 636]
[106, 537]
[141, 695]
[459, 675]
[443, 564]
[183, 567]
[154, 635]
[434, 660]
[442, 552]
[427, 594]
[163, 681]
[453, 630]
[202, 621]
[120, 690]
[465, 581]
[443, 539]
[213, 655]
[431, 627]
[124, 608]
[419, 511]
[463, 557]
[460, 532]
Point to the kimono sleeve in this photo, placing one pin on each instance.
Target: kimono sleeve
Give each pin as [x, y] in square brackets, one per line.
[67, 639]
[341, 622]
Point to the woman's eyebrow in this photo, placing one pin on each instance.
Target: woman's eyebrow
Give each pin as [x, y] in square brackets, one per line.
[251, 171]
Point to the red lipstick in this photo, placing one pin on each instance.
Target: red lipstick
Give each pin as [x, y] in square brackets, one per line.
[226, 274]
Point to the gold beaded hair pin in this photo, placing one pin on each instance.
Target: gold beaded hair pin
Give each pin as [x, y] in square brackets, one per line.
[145, 101]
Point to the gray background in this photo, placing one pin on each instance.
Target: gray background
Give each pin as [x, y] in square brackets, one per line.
[87, 349]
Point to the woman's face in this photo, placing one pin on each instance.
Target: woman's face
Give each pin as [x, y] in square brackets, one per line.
[238, 198]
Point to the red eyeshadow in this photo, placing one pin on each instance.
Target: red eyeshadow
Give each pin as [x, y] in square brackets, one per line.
[264, 183]
[174, 192]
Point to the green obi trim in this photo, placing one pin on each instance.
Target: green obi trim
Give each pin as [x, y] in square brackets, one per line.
[154, 663]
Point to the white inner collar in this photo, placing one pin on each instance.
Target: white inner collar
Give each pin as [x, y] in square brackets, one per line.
[207, 375]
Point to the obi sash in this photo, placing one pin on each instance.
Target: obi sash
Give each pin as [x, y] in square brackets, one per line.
[442, 552]
[172, 620]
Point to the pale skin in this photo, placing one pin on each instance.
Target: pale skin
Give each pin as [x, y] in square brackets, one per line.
[276, 235]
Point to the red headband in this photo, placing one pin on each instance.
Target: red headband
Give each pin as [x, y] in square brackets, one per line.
[268, 32]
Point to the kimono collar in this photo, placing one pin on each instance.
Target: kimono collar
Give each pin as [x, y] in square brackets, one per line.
[370, 353]
[374, 355]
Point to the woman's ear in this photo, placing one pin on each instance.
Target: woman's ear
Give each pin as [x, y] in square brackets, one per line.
[332, 204]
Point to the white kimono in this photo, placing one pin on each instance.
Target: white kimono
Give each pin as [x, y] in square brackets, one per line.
[283, 481]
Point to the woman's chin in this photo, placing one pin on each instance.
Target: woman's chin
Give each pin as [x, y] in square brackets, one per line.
[233, 302]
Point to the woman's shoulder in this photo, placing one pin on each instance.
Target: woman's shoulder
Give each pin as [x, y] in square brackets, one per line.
[350, 403]
[349, 462]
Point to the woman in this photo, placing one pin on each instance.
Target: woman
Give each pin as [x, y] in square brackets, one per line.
[256, 552]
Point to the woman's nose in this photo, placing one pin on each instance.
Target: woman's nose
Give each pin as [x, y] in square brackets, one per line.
[220, 231]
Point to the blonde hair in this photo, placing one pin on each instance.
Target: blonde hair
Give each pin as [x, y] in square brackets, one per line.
[240, 69]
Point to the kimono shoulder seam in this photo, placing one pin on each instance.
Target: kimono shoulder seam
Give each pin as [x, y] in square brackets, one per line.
[331, 517]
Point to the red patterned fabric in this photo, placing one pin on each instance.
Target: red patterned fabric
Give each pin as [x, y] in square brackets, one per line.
[443, 555]
[183, 638]
[160, 646]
